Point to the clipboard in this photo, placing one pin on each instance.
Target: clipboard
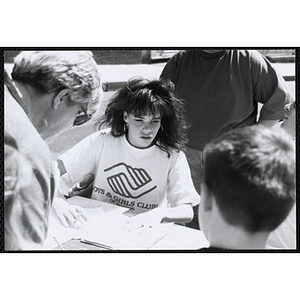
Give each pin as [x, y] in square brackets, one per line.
[78, 244]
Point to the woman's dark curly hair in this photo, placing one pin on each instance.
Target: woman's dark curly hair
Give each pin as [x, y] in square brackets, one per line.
[141, 96]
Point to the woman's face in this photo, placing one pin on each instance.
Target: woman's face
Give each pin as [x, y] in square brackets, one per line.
[142, 130]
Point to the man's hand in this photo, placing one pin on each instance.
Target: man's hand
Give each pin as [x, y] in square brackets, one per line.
[72, 216]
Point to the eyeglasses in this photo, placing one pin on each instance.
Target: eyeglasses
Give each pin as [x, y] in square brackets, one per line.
[82, 117]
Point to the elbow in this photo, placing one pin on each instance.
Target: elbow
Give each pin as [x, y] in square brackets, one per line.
[189, 213]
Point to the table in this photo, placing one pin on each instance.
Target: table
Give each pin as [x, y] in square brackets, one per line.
[106, 226]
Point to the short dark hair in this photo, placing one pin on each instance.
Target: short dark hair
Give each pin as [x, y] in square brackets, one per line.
[141, 96]
[251, 173]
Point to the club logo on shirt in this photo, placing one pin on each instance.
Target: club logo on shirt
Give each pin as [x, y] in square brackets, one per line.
[129, 182]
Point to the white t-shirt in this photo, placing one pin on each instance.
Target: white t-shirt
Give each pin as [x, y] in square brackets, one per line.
[139, 179]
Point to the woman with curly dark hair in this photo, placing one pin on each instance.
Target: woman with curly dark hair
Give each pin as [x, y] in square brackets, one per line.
[138, 162]
[141, 97]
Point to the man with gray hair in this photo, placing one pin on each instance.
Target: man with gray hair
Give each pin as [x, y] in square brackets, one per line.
[48, 92]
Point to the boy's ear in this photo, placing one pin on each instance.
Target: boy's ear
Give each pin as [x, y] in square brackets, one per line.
[58, 99]
[206, 197]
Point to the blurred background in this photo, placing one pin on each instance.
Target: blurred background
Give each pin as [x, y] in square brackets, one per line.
[120, 64]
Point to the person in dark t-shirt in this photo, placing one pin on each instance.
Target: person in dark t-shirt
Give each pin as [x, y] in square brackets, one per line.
[222, 89]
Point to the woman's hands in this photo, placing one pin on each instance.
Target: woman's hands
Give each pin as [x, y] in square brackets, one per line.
[70, 215]
[145, 220]
[182, 213]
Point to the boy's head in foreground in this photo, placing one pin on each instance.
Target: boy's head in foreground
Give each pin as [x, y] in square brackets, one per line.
[249, 187]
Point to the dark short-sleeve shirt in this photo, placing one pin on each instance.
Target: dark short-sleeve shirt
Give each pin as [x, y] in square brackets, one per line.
[222, 91]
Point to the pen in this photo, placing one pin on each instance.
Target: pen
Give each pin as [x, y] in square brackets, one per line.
[58, 243]
[97, 244]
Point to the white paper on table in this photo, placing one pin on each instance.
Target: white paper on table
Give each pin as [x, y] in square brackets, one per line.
[109, 229]
[106, 226]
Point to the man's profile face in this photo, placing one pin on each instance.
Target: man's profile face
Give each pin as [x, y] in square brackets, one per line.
[61, 119]
[290, 123]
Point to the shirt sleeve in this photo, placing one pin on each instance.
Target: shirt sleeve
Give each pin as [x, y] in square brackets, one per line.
[180, 186]
[169, 71]
[83, 157]
[270, 88]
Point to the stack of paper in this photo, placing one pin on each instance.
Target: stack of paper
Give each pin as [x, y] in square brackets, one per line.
[110, 229]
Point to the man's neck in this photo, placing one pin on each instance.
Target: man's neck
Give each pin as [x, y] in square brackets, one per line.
[231, 237]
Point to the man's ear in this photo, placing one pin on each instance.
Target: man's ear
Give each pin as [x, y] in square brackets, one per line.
[60, 97]
[206, 197]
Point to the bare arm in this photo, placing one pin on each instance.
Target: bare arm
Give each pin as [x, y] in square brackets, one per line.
[182, 213]
[268, 123]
